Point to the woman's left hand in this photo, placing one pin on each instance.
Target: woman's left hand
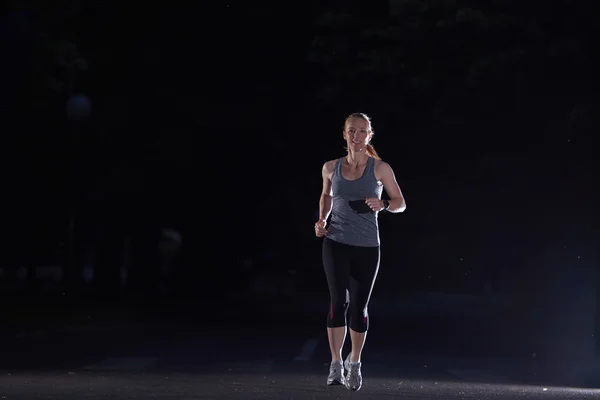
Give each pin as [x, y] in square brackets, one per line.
[375, 204]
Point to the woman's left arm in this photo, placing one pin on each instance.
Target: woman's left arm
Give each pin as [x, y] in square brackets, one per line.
[397, 202]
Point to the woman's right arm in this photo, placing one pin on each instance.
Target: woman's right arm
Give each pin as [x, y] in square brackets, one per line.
[325, 201]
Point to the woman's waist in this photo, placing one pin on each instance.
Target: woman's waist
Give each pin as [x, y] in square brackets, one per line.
[351, 218]
[352, 231]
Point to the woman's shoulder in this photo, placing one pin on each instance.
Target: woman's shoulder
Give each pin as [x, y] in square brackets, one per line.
[379, 162]
[330, 165]
[381, 165]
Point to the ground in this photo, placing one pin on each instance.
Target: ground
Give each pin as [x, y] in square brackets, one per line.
[186, 354]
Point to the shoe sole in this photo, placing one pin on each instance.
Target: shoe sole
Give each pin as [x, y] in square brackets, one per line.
[336, 382]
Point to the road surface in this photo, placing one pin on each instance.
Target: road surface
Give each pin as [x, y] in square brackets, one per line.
[195, 357]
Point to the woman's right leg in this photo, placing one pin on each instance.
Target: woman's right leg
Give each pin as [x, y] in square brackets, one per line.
[336, 263]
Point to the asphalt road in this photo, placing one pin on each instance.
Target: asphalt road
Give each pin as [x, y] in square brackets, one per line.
[192, 357]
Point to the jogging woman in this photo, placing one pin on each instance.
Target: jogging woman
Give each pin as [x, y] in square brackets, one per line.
[352, 188]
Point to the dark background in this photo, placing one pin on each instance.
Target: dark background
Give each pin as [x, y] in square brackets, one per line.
[214, 120]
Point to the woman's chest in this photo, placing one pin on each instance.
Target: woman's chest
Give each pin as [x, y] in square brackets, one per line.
[362, 188]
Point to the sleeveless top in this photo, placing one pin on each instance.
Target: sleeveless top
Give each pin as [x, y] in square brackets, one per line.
[352, 221]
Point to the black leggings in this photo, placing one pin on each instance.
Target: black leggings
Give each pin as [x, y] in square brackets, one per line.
[350, 273]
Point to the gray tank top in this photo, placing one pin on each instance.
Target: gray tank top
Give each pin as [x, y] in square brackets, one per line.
[352, 221]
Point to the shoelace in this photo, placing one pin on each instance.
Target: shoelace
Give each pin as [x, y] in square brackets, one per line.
[335, 369]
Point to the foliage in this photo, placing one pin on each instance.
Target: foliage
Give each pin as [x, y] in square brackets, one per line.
[54, 58]
[438, 58]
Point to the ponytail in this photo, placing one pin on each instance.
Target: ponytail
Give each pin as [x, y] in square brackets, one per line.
[371, 152]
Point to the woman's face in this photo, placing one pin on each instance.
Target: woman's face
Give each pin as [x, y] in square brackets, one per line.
[357, 134]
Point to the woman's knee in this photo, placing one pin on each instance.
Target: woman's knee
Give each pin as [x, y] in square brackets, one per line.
[337, 314]
[359, 318]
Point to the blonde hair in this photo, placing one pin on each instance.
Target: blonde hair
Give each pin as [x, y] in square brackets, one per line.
[370, 149]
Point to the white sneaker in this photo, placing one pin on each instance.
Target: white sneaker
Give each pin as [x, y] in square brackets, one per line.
[336, 373]
[353, 374]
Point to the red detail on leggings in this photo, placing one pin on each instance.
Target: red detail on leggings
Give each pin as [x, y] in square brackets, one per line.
[365, 320]
[330, 310]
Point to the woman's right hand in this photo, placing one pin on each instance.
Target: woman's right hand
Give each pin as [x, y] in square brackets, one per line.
[320, 230]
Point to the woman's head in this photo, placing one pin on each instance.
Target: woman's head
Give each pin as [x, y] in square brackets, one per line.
[358, 133]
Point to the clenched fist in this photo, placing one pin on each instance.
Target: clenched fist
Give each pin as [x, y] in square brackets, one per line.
[320, 230]
[375, 204]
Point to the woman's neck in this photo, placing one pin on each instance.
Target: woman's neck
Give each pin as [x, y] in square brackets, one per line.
[354, 159]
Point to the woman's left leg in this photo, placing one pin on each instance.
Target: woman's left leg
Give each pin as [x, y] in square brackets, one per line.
[363, 273]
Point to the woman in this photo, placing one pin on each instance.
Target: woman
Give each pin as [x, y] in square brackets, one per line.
[352, 188]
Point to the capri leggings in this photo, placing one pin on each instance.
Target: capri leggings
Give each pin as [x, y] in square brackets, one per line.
[350, 272]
